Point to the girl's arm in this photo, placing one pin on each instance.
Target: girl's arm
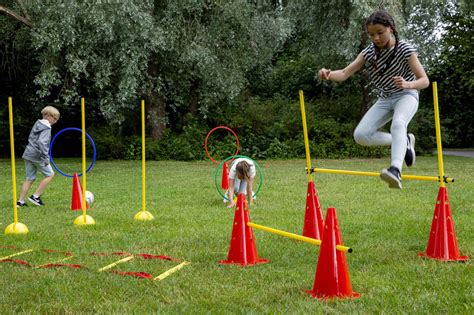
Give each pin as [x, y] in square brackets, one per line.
[250, 191]
[421, 81]
[342, 75]
[230, 194]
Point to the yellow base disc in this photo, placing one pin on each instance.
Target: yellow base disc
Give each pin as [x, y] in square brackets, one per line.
[16, 228]
[80, 220]
[143, 216]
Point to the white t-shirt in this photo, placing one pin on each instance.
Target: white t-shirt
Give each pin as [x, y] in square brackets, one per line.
[232, 171]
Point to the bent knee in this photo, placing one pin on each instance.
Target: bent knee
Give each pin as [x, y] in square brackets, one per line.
[361, 138]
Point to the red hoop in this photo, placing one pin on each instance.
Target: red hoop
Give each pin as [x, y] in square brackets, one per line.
[214, 129]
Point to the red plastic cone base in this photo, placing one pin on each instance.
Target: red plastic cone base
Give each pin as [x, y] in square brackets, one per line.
[243, 249]
[76, 201]
[442, 243]
[313, 218]
[225, 176]
[332, 275]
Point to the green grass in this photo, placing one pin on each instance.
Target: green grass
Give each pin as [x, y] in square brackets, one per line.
[386, 229]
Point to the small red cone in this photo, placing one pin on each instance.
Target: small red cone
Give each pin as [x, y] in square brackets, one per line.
[313, 218]
[332, 275]
[442, 243]
[225, 176]
[243, 249]
[76, 202]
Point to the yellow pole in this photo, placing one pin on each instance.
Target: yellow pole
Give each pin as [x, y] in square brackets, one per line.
[116, 263]
[296, 236]
[438, 135]
[172, 270]
[84, 180]
[143, 159]
[84, 219]
[12, 153]
[374, 174]
[305, 133]
[54, 262]
[17, 254]
[143, 215]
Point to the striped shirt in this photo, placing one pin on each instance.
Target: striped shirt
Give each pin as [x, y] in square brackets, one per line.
[387, 66]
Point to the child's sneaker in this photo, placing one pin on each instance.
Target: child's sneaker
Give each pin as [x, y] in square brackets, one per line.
[21, 204]
[36, 200]
[392, 176]
[410, 155]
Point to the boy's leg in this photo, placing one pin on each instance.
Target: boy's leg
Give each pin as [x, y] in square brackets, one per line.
[42, 185]
[367, 131]
[30, 170]
[24, 190]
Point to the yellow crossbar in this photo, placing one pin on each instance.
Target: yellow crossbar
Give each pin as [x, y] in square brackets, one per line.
[17, 254]
[296, 236]
[172, 270]
[413, 177]
[116, 263]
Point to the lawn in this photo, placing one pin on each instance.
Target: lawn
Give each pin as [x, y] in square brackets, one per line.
[386, 229]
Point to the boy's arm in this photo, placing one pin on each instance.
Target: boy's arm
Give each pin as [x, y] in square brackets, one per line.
[43, 145]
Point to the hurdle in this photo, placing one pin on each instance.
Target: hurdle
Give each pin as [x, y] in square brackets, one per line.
[297, 237]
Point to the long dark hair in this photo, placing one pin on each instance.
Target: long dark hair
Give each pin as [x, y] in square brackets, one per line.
[385, 19]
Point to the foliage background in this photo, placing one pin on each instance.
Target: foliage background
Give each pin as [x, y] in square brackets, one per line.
[200, 64]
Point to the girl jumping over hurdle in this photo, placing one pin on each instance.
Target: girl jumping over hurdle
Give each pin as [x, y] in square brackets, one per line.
[397, 75]
[241, 177]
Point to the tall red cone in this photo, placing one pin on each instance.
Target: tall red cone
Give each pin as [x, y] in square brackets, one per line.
[442, 243]
[313, 218]
[225, 176]
[332, 275]
[76, 202]
[243, 249]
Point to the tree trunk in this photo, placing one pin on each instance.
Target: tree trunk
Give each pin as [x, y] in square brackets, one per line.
[156, 107]
[194, 92]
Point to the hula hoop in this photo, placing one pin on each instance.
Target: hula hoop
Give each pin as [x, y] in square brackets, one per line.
[51, 151]
[214, 129]
[234, 157]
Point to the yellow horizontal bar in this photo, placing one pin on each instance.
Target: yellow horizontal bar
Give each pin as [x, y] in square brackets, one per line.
[296, 236]
[172, 270]
[375, 174]
[116, 263]
[17, 254]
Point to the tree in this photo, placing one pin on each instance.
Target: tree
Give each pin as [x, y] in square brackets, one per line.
[181, 56]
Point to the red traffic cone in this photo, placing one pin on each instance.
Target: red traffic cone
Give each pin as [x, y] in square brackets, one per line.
[313, 218]
[332, 275]
[243, 249]
[225, 176]
[76, 202]
[442, 243]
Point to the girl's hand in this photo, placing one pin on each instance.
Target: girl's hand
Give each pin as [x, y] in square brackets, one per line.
[231, 204]
[324, 74]
[401, 83]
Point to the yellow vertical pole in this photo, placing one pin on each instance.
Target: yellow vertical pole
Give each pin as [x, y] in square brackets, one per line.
[143, 215]
[438, 135]
[143, 159]
[305, 132]
[84, 173]
[12, 153]
[16, 227]
[84, 219]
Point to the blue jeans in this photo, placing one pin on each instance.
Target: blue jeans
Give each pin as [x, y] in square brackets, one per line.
[400, 109]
